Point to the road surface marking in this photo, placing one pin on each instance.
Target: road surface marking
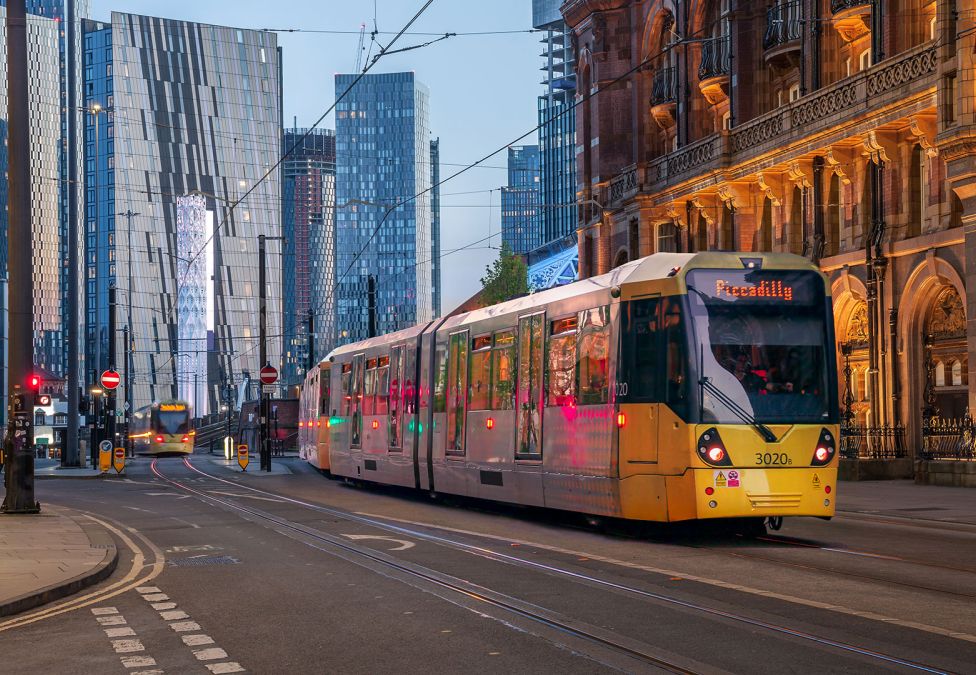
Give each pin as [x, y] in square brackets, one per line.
[159, 606]
[228, 667]
[138, 661]
[116, 620]
[840, 609]
[185, 626]
[156, 597]
[148, 589]
[147, 672]
[404, 544]
[210, 654]
[102, 611]
[234, 494]
[197, 640]
[119, 632]
[174, 615]
[126, 646]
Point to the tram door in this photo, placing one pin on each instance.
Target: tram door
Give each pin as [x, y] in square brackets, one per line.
[529, 403]
[457, 392]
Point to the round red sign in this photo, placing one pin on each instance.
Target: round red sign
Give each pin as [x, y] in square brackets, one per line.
[269, 375]
[111, 379]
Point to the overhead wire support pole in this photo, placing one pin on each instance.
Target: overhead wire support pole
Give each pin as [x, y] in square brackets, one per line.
[263, 349]
[71, 453]
[110, 393]
[19, 441]
[129, 214]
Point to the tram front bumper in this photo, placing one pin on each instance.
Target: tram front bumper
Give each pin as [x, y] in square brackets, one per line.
[751, 492]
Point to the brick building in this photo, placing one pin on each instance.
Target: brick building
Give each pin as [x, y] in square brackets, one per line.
[841, 130]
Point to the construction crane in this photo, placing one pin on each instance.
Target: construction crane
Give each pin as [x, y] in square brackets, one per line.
[361, 47]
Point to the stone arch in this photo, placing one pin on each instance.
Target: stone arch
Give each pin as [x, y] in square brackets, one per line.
[621, 258]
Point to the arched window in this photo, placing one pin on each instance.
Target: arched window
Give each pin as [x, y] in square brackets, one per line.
[939, 374]
[956, 373]
[38, 418]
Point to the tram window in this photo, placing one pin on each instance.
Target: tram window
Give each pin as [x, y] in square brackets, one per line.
[346, 382]
[410, 388]
[503, 371]
[395, 427]
[369, 391]
[480, 376]
[382, 386]
[324, 392]
[593, 362]
[676, 388]
[640, 365]
[561, 384]
[457, 386]
[440, 379]
[357, 401]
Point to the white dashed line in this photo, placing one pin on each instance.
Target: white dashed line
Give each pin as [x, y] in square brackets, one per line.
[126, 646]
[102, 611]
[228, 667]
[156, 597]
[119, 632]
[147, 672]
[138, 661]
[158, 606]
[148, 589]
[197, 640]
[174, 615]
[211, 654]
[117, 620]
[185, 626]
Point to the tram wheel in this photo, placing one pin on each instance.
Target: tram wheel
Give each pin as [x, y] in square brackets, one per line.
[750, 527]
[775, 523]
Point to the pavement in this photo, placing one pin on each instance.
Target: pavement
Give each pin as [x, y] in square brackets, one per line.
[905, 499]
[51, 555]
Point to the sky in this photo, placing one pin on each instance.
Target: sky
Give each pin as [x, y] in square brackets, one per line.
[483, 90]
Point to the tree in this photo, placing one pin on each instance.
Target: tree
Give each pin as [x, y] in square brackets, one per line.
[506, 278]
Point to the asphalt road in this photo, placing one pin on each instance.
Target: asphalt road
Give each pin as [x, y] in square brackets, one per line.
[225, 572]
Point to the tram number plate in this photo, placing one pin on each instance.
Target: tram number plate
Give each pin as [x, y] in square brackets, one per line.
[773, 459]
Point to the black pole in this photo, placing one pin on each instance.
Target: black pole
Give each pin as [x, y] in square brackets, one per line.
[110, 393]
[71, 456]
[263, 357]
[128, 398]
[19, 442]
[371, 302]
[311, 339]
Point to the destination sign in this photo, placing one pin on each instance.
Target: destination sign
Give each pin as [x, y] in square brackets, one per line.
[172, 407]
[756, 287]
[764, 289]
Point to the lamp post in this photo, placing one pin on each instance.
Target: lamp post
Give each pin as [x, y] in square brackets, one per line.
[95, 411]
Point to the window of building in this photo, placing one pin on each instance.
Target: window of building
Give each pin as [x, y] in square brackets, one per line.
[864, 60]
[794, 92]
[957, 373]
[38, 418]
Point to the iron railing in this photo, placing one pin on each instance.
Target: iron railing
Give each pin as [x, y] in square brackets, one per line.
[837, 6]
[944, 438]
[784, 23]
[715, 58]
[664, 86]
[862, 442]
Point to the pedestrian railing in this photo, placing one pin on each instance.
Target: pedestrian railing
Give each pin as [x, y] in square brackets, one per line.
[947, 438]
[863, 442]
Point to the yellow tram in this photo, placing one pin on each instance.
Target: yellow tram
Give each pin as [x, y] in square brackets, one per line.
[163, 428]
[676, 387]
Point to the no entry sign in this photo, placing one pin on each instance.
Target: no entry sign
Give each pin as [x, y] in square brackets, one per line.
[110, 379]
[269, 375]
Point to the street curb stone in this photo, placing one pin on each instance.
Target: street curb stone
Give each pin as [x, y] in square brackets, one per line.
[99, 538]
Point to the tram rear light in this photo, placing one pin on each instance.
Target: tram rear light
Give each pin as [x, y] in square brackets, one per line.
[159, 439]
[490, 423]
[827, 489]
[621, 420]
[376, 424]
[300, 424]
[185, 439]
[711, 449]
[822, 454]
[320, 422]
[716, 454]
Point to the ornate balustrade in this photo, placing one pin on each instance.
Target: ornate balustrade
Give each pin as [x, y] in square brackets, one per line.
[784, 22]
[623, 186]
[664, 86]
[860, 442]
[838, 6]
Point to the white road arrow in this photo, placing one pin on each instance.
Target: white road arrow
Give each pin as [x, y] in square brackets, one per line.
[404, 544]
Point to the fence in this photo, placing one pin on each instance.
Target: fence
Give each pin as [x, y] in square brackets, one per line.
[857, 442]
[944, 438]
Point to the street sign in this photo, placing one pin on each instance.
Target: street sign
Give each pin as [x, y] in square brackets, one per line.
[268, 388]
[269, 375]
[125, 406]
[104, 456]
[111, 379]
[105, 446]
[119, 461]
[44, 399]
[242, 457]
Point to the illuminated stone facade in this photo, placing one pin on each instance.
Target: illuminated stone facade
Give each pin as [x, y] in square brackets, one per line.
[834, 129]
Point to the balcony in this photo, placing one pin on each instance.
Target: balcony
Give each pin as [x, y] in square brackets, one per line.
[784, 28]
[664, 96]
[713, 73]
[852, 18]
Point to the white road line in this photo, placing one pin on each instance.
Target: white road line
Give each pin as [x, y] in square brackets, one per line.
[197, 640]
[228, 667]
[155, 597]
[235, 494]
[148, 589]
[138, 661]
[126, 646]
[185, 626]
[175, 615]
[102, 611]
[210, 654]
[119, 632]
[147, 672]
[116, 620]
[159, 606]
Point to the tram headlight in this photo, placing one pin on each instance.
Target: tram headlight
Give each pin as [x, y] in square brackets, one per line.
[711, 450]
[825, 449]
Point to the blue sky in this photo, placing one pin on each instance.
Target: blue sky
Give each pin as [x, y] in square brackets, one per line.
[483, 88]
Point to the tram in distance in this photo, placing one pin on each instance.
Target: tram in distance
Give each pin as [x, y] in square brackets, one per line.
[163, 428]
[676, 387]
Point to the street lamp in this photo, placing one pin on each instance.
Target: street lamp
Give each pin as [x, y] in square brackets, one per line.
[95, 414]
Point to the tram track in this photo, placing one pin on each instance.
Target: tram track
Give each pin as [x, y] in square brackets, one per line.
[464, 587]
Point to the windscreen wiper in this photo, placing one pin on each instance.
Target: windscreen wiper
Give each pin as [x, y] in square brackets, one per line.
[706, 384]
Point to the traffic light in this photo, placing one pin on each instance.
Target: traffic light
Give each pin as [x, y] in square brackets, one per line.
[34, 383]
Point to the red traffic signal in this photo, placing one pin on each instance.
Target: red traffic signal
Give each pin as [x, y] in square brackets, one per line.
[34, 382]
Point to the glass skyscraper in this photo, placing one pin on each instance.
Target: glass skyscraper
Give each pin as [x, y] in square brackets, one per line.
[187, 108]
[308, 267]
[520, 200]
[382, 159]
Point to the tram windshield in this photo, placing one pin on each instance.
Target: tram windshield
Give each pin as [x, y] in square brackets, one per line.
[171, 419]
[760, 338]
